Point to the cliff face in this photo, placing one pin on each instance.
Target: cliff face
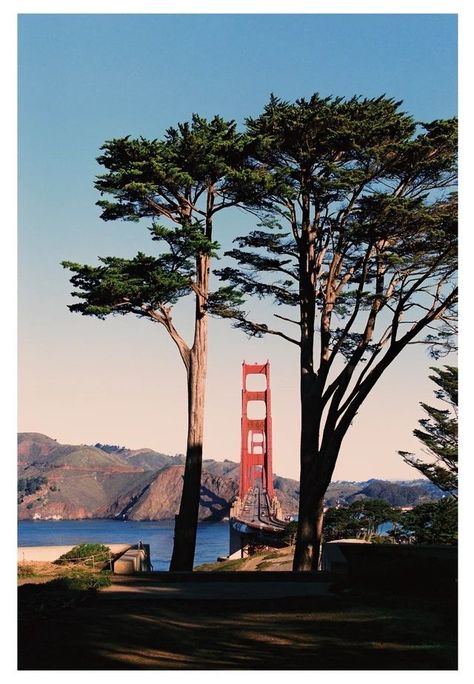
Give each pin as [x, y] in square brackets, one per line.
[161, 499]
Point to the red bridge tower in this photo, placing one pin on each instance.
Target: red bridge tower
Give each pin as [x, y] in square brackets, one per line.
[256, 450]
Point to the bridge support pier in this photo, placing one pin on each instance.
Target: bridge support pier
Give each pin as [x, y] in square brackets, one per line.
[237, 543]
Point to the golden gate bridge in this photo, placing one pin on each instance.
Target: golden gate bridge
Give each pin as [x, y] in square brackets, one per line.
[256, 516]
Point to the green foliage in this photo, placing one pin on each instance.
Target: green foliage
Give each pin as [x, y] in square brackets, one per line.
[90, 554]
[429, 523]
[82, 581]
[359, 520]
[439, 434]
[199, 168]
[29, 485]
[355, 182]
[121, 286]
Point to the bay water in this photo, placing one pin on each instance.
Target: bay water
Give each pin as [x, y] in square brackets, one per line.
[212, 538]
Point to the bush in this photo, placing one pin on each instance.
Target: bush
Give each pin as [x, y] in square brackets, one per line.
[88, 554]
[83, 581]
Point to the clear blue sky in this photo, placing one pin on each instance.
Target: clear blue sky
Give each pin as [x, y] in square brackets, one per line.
[87, 78]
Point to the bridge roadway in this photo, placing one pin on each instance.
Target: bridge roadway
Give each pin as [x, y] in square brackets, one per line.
[256, 514]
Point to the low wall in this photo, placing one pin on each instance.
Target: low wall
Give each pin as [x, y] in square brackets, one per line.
[135, 559]
[420, 569]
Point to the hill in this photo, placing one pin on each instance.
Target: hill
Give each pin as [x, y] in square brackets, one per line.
[61, 481]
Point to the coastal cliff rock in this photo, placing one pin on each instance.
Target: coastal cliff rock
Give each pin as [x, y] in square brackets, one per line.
[161, 499]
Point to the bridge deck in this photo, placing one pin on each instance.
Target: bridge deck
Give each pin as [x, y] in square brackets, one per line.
[256, 513]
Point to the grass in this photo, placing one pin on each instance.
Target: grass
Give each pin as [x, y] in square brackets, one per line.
[25, 570]
[82, 581]
[261, 560]
[68, 576]
[222, 566]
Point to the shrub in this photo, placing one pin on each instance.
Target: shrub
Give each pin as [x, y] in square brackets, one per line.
[81, 581]
[88, 554]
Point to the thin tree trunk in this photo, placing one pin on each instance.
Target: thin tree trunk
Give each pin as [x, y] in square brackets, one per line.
[186, 521]
[187, 518]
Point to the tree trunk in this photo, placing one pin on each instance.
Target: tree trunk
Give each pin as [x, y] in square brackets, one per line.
[311, 512]
[187, 518]
[316, 471]
[310, 526]
[186, 521]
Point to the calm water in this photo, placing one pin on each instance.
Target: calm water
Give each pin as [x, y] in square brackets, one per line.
[212, 538]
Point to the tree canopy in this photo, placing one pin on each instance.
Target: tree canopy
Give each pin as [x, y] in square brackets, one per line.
[359, 520]
[439, 434]
[434, 522]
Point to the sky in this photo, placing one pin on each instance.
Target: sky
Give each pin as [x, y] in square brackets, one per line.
[84, 79]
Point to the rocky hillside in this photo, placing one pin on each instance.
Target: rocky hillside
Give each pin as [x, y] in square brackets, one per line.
[60, 481]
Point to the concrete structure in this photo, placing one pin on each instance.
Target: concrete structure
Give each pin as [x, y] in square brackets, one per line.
[135, 559]
[332, 556]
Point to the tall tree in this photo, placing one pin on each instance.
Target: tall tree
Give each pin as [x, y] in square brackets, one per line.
[439, 434]
[359, 235]
[196, 171]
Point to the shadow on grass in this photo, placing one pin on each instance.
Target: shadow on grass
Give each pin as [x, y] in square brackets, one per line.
[326, 633]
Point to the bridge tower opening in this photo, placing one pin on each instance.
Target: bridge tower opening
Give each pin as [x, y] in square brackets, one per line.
[256, 445]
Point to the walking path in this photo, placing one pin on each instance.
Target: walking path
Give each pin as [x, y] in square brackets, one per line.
[131, 587]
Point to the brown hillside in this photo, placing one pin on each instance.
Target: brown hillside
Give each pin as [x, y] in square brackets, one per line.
[161, 499]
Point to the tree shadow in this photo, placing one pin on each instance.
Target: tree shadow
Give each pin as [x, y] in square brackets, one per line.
[218, 506]
[279, 634]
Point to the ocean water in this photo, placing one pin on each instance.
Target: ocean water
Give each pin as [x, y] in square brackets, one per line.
[212, 538]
